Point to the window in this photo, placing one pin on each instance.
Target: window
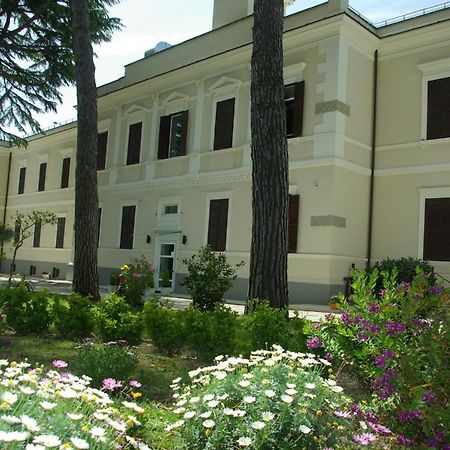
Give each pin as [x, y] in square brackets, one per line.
[37, 235]
[170, 209]
[217, 224]
[223, 128]
[32, 270]
[293, 99]
[436, 240]
[173, 135]
[42, 174]
[22, 173]
[60, 228]
[294, 201]
[65, 173]
[127, 228]
[134, 143]
[102, 143]
[438, 108]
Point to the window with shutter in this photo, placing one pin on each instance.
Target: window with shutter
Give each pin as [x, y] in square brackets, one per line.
[134, 143]
[173, 135]
[294, 98]
[127, 228]
[22, 173]
[217, 224]
[223, 128]
[294, 203]
[438, 108]
[102, 143]
[37, 235]
[65, 173]
[42, 175]
[60, 229]
[436, 242]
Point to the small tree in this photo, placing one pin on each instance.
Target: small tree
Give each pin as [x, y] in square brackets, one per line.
[209, 277]
[24, 228]
[6, 234]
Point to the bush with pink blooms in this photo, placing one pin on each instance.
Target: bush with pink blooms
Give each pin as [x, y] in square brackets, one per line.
[398, 344]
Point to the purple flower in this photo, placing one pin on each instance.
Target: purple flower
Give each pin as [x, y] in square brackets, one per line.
[59, 363]
[370, 417]
[314, 342]
[432, 443]
[361, 336]
[7, 342]
[379, 361]
[416, 297]
[329, 317]
[382, 292]
[403, 440]
[373, 308]
[1, 318]
[385, 431]
[435, 290]
[110, 384]
[393, 328]
[406, 416]
[354, 408]
[316, 326]
[342, 414]
[328, 357]
[405, 285]
[428, 397]
[346, 318]
[365, 438]
[374, 329]
[135, 383]
[365, 323]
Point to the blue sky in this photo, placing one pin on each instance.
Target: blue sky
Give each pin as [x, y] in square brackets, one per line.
[147, 22]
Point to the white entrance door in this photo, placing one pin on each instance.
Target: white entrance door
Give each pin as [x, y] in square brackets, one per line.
[166, 260]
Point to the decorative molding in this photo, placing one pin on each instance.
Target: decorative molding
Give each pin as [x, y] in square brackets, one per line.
[441, 65]
[135, 109]
[331, 106]
[175, 97]
[224, 85]
[328, 221]
[293, 73]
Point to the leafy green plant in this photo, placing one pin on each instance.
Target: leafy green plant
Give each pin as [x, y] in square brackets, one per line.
[114, 320]
[164, 326]
[72, 316]
[26, 312]
[165, 279]
[100, 361]
[209, 277]
[273, 399]
[114, 279]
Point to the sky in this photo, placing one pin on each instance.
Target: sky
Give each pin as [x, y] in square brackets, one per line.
[147, 22]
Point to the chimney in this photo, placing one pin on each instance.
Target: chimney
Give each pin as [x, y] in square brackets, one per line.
[227, 11]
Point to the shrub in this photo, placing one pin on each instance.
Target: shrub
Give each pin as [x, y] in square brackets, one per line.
[114, 320]
[165, 326]
[399, 344]
[26, 312]
[209, 277]
[72, 316]
[274, 399]
[211, 333]
[100, 361]
[134, 279]
[50, 410]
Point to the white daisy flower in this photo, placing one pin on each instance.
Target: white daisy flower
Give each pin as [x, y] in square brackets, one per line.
[209, 423]
[177, 424]
[244, 383]
[287, 399]
[244, 442]
[205, 415]
[310, 385]
[29, 423]
[208, 397]
[194, 400]
[11, 419]
[270, 393]
[13, 436]
[189, 415]
[267, 416]
[290, 391]
[48, 405]
[249, 399]
[79, 443]
[304, 429]
[258, 425]
[73, 416]
[47, 440]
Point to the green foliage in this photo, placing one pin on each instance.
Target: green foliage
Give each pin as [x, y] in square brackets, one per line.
[398, 343]
[165, 280]
[164, 326]
[26, 312]
[36, 57]
[209, 277]
[100, 361]
[72, 316]
[114, 320]
[114, 279]
[134, 278]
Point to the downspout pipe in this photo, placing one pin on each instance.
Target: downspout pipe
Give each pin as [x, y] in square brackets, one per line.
[6, 203]
[372, 158]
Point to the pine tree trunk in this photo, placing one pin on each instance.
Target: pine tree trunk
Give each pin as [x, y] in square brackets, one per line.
[270, 189]
[85, 277]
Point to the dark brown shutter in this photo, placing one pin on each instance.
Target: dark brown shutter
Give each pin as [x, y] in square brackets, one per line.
[436, 242]
[99, 223]
[297, 112]
[164, 137]
[438, 112]
[184, 131]
[42, 175]
[127, 229]
[22, 173]
[217, 226]
[60, 229]
[65, 172]
[223, 129]
[102, 143]
[134, 143]
[294, 202]
[37, 234]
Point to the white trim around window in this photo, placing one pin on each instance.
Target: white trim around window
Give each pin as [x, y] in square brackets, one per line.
[168, 220]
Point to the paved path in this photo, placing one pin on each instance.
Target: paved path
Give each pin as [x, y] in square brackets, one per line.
[308, 311]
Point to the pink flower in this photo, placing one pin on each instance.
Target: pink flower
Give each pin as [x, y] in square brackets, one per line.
[110, 384]
[134, 383]
[365, 438]
[59, 363]
[342, 414]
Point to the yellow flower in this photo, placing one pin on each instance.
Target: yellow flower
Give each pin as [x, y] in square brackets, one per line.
[136, 395]
[4, 405]
[85, 428]
[318, 412]
[124, 267]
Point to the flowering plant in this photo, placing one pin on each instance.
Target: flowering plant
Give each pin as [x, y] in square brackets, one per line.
[52, 409]
[396, 340]
[134, 278]
[273, 399]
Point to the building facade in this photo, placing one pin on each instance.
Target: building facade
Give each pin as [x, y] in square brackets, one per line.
[368, 118]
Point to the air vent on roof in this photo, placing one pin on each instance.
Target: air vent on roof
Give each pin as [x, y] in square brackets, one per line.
[160, 46]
